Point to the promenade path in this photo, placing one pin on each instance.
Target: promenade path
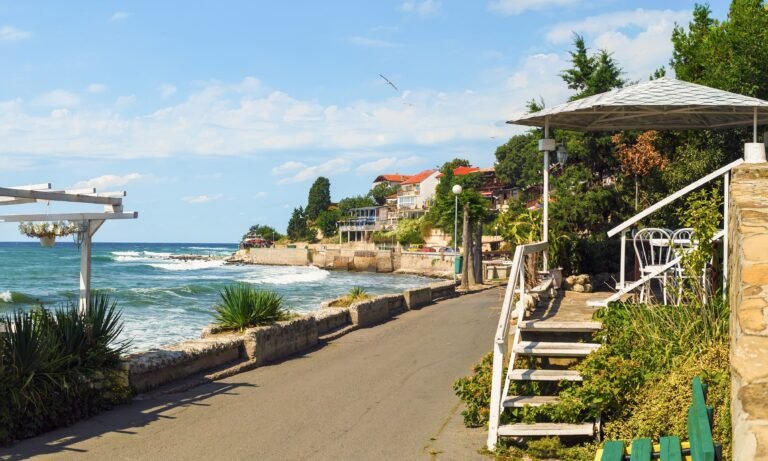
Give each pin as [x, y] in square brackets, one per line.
[382, 393]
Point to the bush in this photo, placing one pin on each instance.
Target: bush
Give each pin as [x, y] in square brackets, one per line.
[354, 295]
[243, 306]
[56, 368]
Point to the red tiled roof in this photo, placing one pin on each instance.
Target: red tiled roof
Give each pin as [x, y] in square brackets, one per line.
[391, 178]
[419, 177]
[463, 170]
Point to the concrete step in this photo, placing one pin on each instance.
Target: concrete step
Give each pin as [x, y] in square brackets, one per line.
[545, 375]
[560, 327]
[554, 349]
[518, 401]
[546, 429]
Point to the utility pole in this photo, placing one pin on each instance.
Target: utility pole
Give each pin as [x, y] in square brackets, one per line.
[465, 250]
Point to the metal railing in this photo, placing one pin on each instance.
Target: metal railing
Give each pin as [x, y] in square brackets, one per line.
[515, 285]
[624, 227]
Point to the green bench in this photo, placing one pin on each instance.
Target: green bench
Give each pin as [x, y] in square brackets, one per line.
[700, 447]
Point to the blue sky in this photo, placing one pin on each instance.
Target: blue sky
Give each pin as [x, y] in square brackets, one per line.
[218, 115]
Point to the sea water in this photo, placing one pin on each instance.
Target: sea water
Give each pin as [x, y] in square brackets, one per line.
[165, 300]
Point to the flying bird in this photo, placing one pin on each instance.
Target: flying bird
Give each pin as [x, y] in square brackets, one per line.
[389, 83]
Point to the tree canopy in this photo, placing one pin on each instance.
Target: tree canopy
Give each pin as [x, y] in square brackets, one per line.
[381, 191]
[358, 201]
[298, 229]
[267, 232]
[319, 198]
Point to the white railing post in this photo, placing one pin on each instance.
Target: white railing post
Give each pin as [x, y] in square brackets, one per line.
[495, 413]
[623, 267]
[726, 224]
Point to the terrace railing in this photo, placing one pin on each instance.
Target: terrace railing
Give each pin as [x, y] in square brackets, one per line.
[624, 228]
[515, 286]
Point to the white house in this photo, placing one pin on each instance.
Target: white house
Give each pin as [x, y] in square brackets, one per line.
[417, 192]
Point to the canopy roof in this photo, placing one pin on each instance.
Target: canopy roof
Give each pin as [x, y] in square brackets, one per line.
[664, 103]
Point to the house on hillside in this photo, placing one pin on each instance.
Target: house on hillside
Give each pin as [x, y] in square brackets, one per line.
[417, 193]
[363, 222]
[390, 179]
[491, 188]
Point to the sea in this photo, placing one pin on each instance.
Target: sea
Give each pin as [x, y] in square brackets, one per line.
[164, 300]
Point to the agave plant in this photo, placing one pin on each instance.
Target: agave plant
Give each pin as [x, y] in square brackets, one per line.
[357, 294]
[243, 306]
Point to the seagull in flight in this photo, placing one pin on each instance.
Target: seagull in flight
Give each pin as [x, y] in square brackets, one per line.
[389, 83]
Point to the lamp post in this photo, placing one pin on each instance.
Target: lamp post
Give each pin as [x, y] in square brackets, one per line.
[456, 191]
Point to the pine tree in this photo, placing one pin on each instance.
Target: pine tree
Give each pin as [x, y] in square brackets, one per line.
[319, 198]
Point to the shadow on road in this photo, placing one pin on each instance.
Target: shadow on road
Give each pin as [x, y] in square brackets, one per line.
[121, 420]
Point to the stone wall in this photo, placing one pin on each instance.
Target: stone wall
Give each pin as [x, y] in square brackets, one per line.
[442, 290]
[431, 264]
[748, 298]
[274, 256]
[416, 298]
[282, 339]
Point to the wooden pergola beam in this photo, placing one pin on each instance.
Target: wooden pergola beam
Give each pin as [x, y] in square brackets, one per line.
[58, 196]
[68, 217]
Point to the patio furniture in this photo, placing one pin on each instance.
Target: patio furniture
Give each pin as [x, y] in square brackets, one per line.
[683, 241]
[652, 248]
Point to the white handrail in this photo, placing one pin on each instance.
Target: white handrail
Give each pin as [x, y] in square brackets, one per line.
[671, 198]
[499, 388]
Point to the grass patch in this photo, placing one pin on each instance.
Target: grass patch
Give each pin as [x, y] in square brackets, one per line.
[355, 294]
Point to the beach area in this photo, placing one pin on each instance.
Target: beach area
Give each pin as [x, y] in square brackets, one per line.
[167, 291]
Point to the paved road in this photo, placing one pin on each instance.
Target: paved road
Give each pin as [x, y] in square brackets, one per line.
[381, 393]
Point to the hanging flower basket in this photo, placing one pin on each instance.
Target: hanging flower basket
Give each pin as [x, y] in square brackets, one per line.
[48, 231]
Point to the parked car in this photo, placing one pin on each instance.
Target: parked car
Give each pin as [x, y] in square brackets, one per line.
[426, 250]
[446, 250]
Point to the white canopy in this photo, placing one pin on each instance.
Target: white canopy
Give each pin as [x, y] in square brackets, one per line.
[664, 103]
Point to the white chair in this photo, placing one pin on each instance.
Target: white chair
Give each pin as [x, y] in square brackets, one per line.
[683, 241]
[652, 248]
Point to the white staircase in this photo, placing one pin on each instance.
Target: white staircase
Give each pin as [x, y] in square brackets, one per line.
[543, 341]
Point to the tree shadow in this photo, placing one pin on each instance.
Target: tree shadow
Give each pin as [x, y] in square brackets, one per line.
[141, 411]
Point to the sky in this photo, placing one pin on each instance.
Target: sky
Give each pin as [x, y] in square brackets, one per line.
[215, 116]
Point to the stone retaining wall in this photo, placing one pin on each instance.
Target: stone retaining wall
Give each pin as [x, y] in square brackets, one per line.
[274, 342]
[274, 256]
[748, 298]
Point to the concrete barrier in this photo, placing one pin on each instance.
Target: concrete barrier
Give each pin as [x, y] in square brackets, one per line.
[282, 339]
[416, 298]
[442, 290]
[368, 313]
[331, 318]
[147, 370]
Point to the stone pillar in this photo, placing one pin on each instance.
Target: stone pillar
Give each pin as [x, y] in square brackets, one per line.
[748, 298]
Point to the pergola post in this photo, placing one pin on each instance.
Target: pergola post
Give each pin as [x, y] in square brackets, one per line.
[85, 263]
[546, 147]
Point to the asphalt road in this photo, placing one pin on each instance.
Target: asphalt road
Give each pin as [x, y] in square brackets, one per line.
[381, 393]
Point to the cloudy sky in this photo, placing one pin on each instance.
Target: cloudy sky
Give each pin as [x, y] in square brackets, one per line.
[218, 115]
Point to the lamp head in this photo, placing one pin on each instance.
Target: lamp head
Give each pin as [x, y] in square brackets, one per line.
[562, 154]
[456, 189]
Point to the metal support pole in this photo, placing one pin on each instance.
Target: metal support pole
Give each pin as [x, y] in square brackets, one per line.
[754, 125]
[455, 232]
[545, 237]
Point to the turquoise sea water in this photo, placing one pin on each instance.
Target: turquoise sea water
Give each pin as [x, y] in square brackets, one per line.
[165, 300]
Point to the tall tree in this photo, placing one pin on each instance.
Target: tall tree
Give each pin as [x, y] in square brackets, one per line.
[267, 232]
[381, 191]
[319, 198]
[518, 162]
[297, 226]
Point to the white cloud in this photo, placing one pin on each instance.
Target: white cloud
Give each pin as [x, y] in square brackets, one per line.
[373, 43]
[287, 167]
[260, 194]
[57, 98]
[512, 7]
[12, 34]
[422, 8]
[167, 90]
[97, 88]
[108, 181]
[377, 166]
[639, 39]
[329, 168]
[193, 199]
[125, 101]
[119, 16]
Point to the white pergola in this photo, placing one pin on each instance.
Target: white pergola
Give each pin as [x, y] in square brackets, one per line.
[91, 221]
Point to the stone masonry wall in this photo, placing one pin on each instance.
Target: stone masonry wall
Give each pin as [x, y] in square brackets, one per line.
[748, 297]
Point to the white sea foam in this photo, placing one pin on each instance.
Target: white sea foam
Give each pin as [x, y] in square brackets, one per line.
[180, 265]
[6, 296]
[303, 275]
[125, 253]
[228, 250]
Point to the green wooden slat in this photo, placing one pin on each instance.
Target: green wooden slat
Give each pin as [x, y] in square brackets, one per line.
[699, 431]
[670, 449]
[613, 451]
[641, 450]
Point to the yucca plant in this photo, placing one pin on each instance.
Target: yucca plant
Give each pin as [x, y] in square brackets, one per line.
[243, 306]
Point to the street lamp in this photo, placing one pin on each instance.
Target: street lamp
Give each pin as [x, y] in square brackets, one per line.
[562, 154]
[456, 191]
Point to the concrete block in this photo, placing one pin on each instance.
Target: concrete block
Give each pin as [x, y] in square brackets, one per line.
[443, 290]
[416, 298]
[331, 318]
[280, 340]
[368, 313]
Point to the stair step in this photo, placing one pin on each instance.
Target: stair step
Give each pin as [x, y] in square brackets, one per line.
[555, 349]
[560, 327]
[545, 375]
[545, 429]
[518, 401]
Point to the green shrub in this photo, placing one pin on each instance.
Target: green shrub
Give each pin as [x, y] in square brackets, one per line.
[354, 295]
[243, 306]
[475, 391]
[57, 368]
